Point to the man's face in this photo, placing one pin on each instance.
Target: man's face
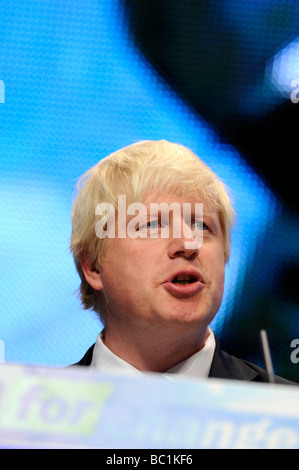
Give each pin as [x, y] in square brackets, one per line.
[147, 280]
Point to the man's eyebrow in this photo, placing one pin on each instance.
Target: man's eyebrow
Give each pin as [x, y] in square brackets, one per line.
[212, 219]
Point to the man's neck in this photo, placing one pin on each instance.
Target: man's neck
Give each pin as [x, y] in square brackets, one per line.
[154, 351]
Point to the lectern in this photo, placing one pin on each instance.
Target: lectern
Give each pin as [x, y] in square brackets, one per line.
[42, 407]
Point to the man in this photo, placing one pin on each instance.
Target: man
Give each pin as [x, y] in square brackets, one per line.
[150, 240]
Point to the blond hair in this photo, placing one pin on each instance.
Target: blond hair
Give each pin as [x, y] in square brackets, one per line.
[143, 168]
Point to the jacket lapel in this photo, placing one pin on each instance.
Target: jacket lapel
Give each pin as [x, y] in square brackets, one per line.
[86, 359]
[225, 366]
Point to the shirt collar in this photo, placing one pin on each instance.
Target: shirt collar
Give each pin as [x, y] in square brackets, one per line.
[195, 366]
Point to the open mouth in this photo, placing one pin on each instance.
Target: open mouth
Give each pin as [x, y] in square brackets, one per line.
[185, 283]
[184, 280]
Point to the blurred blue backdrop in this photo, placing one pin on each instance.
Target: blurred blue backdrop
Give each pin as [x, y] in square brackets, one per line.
[75, 88]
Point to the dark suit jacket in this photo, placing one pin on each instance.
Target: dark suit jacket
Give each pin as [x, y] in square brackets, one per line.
[224, 366]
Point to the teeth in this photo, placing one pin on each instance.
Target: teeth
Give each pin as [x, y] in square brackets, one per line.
[183, 279]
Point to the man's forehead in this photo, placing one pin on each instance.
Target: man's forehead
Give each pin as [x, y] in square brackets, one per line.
[192, 200]
[167, 197]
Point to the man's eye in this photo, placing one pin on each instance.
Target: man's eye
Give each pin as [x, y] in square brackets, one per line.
[151, 224]
[199, 225]
[154, 224]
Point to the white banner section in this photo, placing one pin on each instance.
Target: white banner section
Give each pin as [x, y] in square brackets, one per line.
[78, 408]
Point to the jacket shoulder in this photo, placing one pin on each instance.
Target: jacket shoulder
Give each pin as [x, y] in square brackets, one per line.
[87, 358]
[227, 366]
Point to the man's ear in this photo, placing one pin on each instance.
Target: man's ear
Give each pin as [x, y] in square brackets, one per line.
[92, 275]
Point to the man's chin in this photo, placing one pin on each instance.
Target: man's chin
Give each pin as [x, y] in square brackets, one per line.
[185, 315]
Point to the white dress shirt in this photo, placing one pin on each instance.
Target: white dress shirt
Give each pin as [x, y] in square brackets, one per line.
[196, 366]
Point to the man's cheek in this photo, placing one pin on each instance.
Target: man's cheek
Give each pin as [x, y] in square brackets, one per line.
[220, 289]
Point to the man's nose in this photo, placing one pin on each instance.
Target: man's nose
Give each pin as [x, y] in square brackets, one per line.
[184, 244]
